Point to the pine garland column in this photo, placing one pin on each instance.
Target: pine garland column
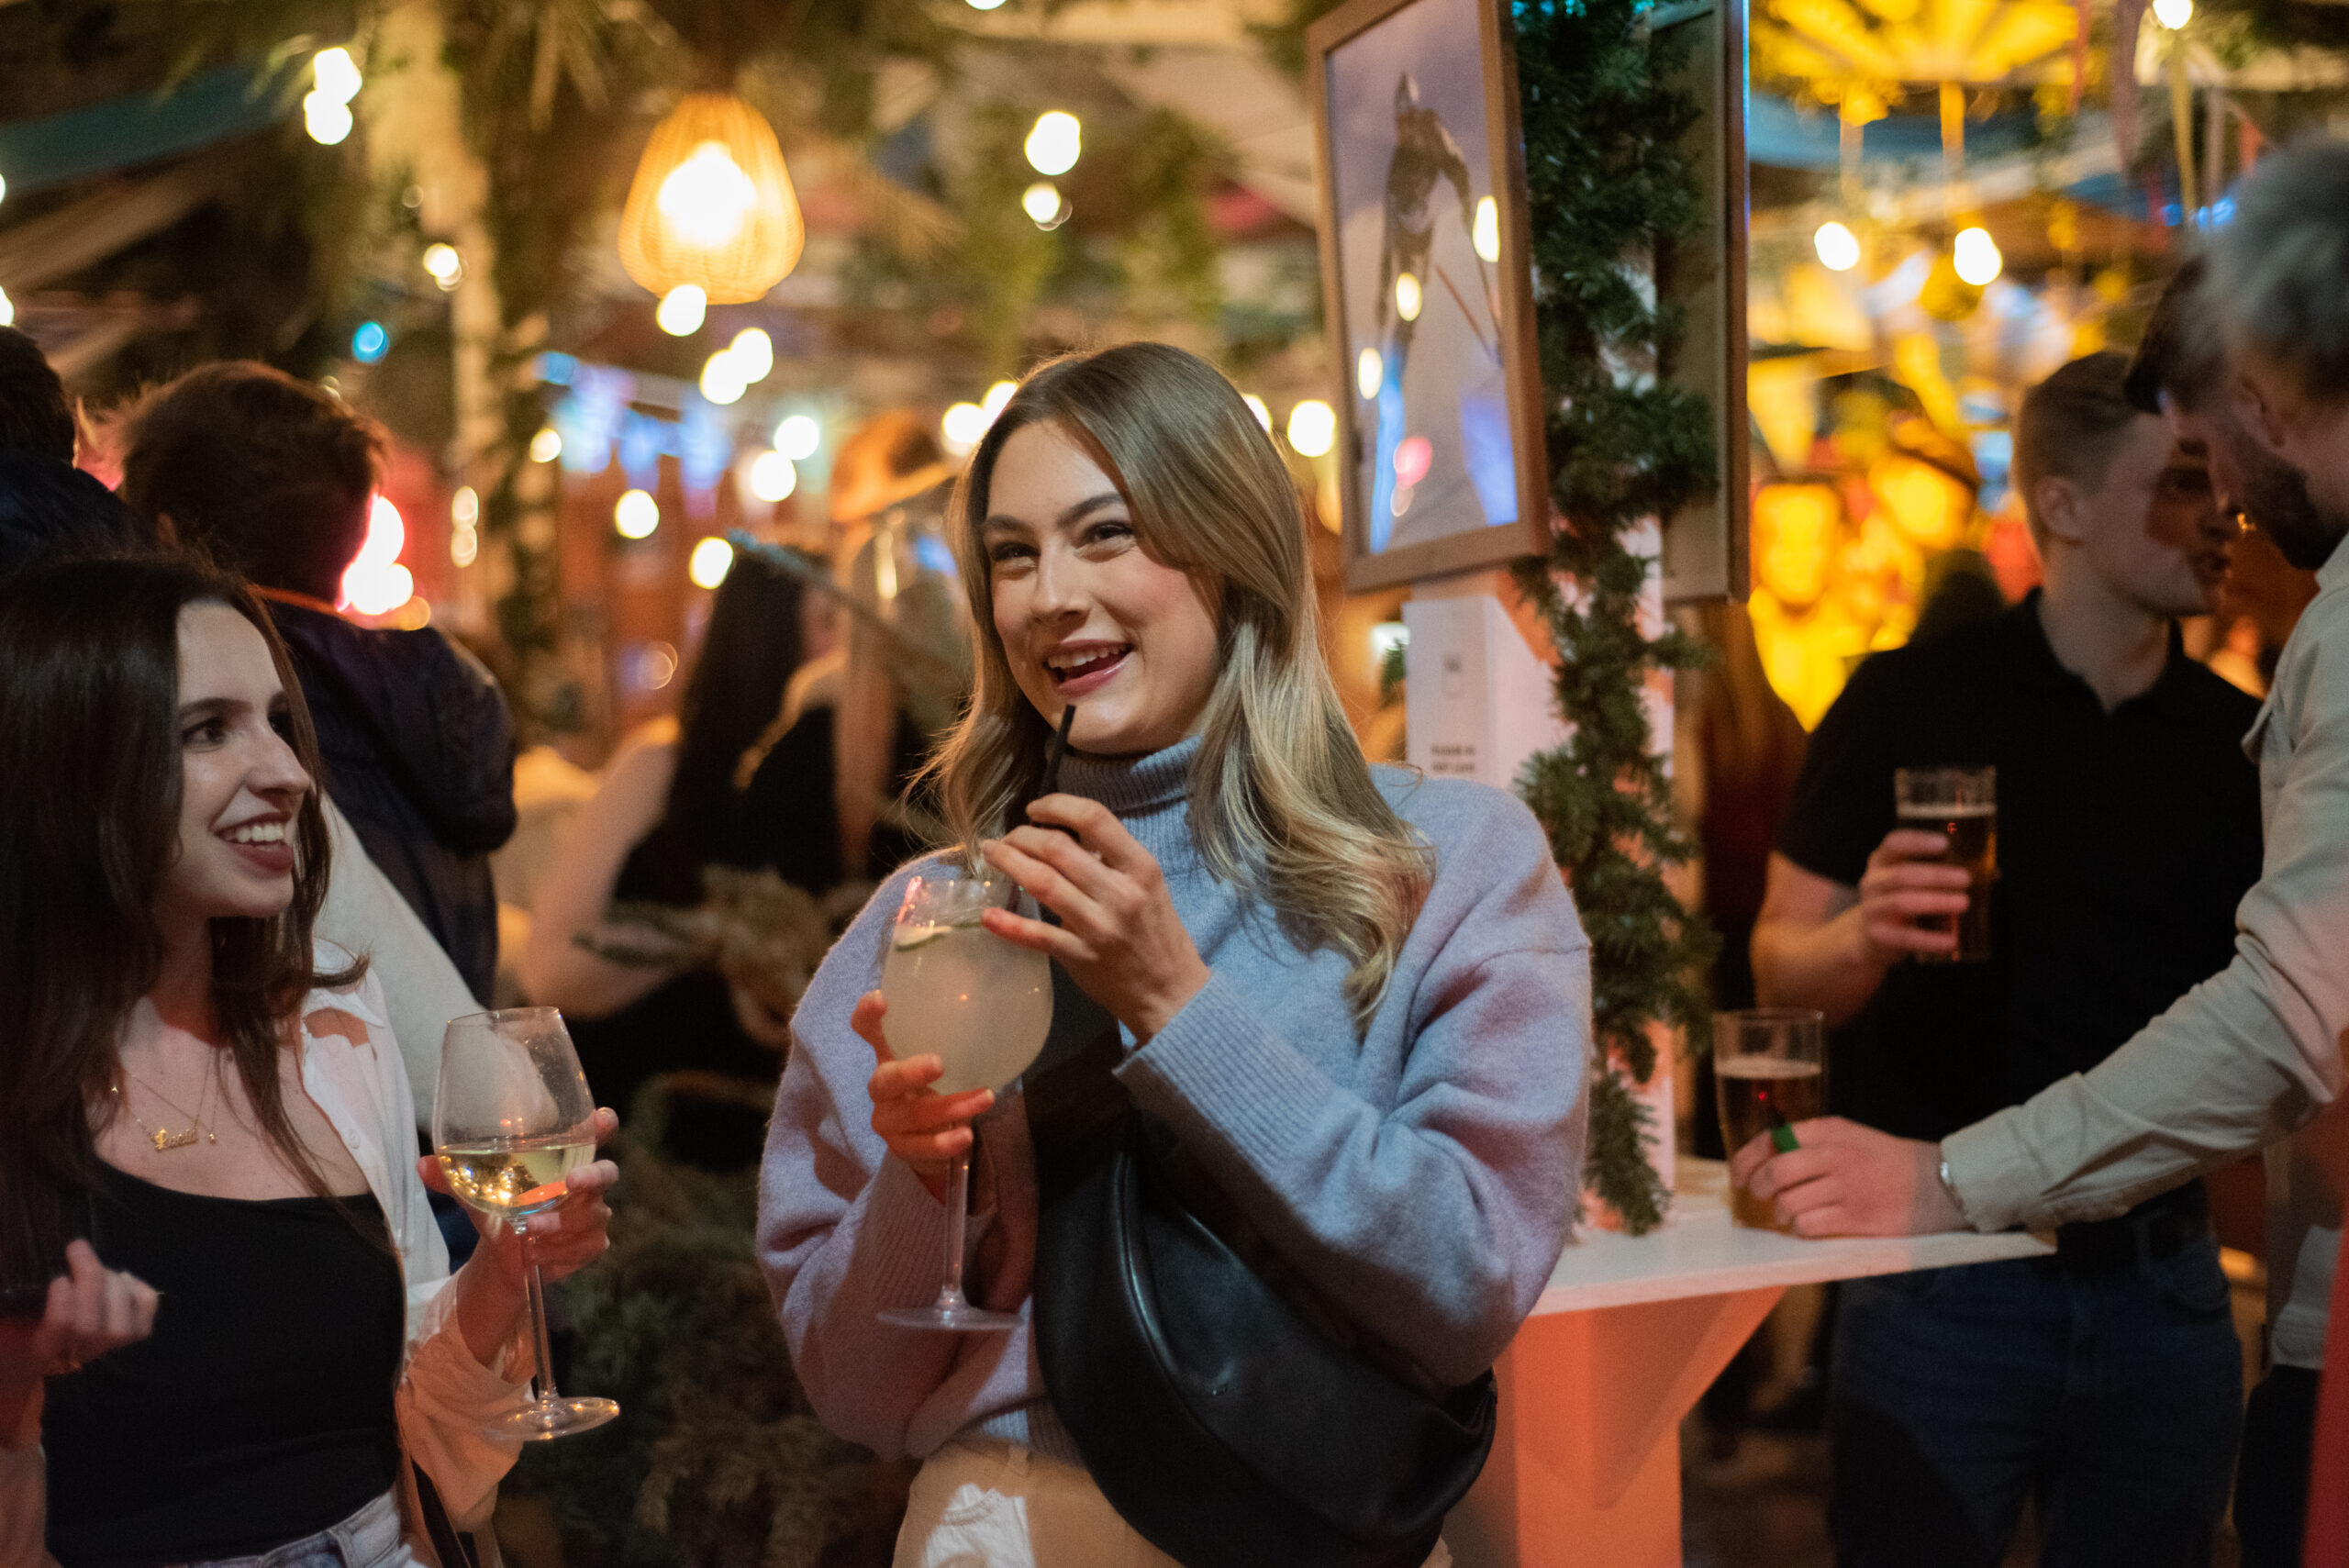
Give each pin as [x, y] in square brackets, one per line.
[1607, 184]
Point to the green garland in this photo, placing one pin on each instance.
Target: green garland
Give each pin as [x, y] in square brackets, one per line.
[1608, 184]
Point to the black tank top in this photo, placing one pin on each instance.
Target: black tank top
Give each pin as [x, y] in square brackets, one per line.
[260, 1411]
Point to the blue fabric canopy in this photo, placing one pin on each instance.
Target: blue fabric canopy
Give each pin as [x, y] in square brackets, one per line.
[219, 105]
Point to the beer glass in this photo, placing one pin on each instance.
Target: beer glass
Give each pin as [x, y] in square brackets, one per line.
[1769, 1068]
[1962, 804]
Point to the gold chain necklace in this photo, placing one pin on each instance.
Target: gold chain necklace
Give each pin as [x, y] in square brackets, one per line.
[165, 1140]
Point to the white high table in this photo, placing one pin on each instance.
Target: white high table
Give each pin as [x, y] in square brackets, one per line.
[1586, 1469]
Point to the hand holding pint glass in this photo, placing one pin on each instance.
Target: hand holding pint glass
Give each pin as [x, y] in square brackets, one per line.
[1770, 1071]
[1960, 805]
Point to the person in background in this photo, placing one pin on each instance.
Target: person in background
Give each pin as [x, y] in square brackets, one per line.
[671, 802]
[36, 416]
[205, 1149]
[2105, 1381]
[894, 682]
[2254, 370]
[274, 478]
[47, 505]
[1359, 998]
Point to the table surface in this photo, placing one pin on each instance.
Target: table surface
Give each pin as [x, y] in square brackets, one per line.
[1697, 1251]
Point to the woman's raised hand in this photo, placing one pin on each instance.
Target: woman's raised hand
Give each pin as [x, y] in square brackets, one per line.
[921, 1126]
[1119, 937]
[91, 1309]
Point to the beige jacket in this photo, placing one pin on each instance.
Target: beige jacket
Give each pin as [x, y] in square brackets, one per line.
[444, 1394]
[2246, 1059]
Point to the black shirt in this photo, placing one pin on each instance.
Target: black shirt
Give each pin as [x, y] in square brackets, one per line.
[2125, 841]
[259, 1410]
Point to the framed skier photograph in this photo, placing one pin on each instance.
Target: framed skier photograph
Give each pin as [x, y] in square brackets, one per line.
[1427, 288]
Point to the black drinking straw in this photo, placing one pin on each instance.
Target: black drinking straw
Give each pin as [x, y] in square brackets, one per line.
[1054, 749]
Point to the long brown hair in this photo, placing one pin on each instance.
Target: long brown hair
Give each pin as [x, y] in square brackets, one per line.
[1283, 805]
[91, 772]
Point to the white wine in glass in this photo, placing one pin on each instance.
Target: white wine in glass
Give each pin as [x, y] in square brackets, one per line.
[979, 1003]
[511, 1120]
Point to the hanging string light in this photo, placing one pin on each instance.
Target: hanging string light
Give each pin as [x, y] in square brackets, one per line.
[712, 204]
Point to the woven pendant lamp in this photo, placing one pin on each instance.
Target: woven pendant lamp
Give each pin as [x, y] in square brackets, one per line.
[712, 204]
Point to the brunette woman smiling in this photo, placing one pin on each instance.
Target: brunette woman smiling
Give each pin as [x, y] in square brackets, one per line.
[1357, 1001]
[196, 1108]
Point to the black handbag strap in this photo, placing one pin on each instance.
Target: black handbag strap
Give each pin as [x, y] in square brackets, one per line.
[1077, 1107]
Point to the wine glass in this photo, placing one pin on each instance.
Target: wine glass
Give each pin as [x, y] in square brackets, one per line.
[510, 1123]
[979, 1003]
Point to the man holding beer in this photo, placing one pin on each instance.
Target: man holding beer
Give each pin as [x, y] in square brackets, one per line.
[2255, 368]
[2009, 848]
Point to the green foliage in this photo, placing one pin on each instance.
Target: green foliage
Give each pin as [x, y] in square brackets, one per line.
[1608, 184]
[716, 1460]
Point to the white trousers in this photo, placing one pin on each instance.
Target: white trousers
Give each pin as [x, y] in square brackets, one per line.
[979, 1503]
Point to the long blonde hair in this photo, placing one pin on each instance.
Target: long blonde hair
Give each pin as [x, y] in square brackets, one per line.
[1282, 803]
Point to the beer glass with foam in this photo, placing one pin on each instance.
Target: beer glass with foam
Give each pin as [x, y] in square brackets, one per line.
[1770, 1070]
[1962, 805]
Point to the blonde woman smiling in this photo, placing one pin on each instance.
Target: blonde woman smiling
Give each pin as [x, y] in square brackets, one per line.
[1359, 1000]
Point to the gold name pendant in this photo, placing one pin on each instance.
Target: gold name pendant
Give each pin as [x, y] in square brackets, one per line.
[167, 1141]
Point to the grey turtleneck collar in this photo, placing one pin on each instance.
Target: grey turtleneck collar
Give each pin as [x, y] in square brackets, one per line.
[1149, 794]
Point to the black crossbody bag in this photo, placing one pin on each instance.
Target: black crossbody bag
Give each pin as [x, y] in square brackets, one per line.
[1229, 1416]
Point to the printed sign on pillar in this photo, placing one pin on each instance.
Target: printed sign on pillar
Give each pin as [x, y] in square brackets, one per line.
[1478, 700]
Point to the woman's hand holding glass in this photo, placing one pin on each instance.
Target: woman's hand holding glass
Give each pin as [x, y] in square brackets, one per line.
[563, 1240]
[1120, 938]
[923, 1128]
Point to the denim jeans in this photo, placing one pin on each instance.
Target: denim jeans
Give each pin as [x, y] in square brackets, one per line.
[2111, 1395]
[981, 1503]
[368, 1539]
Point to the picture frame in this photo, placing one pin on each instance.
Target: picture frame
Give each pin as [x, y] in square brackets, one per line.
[1706, 549]
[1427, 288]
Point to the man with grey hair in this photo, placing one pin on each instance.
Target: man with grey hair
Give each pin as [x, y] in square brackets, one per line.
[2254, 366]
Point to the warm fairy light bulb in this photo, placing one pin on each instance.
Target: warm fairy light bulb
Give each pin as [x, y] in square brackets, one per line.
[8, 309]
[547, 445]
[1312, 427]
[682, 309]
[1054, 143]
[1838, 247]
[1485, 232]
[1256, 406]
[707, 199]
[327, 121]
[753, 353]
[464, 507]
[1408, 296]
[1370, 369]
[375, 583]
[799, 437]
[722, 381]
[982, 5]
[336, 73]
[997, 396]
[1041, 201]
[1975, 256]
[464, 545]
[710, 560]
[2174, 14]
[772, 478]
[636, 515]
[448, 268]
[963, 425]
